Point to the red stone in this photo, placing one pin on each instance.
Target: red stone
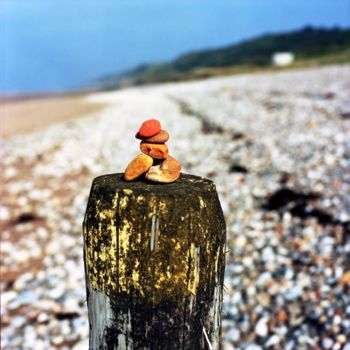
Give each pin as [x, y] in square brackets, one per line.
[149, 128]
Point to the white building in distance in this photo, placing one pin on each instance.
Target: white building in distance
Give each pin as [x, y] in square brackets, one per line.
[282, 59]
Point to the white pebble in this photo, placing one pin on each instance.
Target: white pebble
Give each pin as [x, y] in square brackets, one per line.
[232, 335]
[83, 345]
[43, 317]
[4, 214]
[327, 343]
[337, 320]
[272, 341]
[18, 321]
[23, 280]
[7, 297]
[253, 347]
[261, 328]
[227, 346]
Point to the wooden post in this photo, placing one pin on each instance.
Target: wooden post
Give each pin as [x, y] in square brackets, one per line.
[154, 259]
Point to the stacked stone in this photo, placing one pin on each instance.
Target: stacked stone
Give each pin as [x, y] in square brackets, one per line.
[154, 162]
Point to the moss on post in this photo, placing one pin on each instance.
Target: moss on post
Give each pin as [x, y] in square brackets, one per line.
[154, 258]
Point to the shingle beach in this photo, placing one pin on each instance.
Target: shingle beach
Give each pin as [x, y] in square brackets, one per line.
[277, 146]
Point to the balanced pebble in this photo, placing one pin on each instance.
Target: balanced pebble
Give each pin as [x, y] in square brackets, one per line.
[138, 166]
[166, 172]
[154, 150]
[161, 137]
[149, 128]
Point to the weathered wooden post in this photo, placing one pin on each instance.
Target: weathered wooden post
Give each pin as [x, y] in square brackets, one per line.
[154, 258]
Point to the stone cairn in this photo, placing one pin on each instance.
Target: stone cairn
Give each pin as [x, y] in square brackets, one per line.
[154, 163]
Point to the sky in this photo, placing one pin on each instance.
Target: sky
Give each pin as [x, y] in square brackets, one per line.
[48, 45]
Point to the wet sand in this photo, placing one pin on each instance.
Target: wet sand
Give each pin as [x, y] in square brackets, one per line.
[18, 116]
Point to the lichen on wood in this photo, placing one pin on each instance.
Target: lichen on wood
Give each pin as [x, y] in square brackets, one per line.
[157, 252]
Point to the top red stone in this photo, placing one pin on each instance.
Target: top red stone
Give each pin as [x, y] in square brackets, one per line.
[149, 128]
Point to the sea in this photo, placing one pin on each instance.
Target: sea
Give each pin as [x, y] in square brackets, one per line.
[56, 46]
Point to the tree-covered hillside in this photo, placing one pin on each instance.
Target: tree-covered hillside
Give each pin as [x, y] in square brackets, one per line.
[308, 43]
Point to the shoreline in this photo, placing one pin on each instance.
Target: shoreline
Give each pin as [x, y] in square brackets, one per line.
[25, 114]
[44, 109]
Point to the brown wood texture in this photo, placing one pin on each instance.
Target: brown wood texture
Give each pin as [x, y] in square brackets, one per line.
[154, 258]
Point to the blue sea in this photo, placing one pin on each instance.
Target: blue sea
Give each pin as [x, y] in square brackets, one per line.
[48, 46]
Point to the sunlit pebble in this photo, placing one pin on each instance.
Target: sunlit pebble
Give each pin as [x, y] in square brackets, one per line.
[227, 346]
[47, 261]
[58, 339]
[4, 213]
[261, 327]
[21, 256]
[6, 298]
[48, 305]
[25, 227]
[56, 293]
[240, 241]
[344, 217]
[274, 289]
[41, 344]
[71, 305]
[282, 330]
[328, 272]
[305, 339]
[16, 341]
[272, 341]
[42, 317]
[341, 338]
[65, 226]
[10, 172]
[65, 328]
[247, 261]
[18, 321]
[42, 232]
[7, 248]
[83, 345]
[53, 248]
[68, 241]
[22, 201]
[23, 280]
[31, 246]
[268, 254]
[39, 194]
[253, 347]
[347, 346]
[263, 278]
[5, 235]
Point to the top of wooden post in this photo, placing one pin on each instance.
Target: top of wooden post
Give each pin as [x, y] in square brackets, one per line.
[109, 183]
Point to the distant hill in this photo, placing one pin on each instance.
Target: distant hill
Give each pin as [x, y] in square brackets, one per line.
[315, 45]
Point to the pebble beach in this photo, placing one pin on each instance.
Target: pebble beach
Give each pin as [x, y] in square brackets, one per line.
[277, 146]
